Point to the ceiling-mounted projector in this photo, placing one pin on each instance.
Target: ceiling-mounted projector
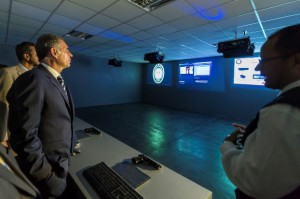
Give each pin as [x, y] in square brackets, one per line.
[236, 48]
[114, 62]
[154, 57]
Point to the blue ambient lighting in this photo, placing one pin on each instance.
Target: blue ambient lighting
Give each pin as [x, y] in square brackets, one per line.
[116, 36]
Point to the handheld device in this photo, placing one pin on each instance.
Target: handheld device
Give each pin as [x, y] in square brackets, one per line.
[92, 130]
[146, 160]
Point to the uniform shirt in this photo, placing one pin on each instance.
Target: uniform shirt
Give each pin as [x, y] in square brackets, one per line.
[7, 77]
[268, 166]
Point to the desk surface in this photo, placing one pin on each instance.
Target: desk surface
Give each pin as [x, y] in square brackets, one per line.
[164, 183]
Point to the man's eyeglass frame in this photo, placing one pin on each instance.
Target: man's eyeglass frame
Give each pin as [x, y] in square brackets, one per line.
[265, 60]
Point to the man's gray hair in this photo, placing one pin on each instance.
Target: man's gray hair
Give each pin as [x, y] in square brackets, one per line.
[45, 42]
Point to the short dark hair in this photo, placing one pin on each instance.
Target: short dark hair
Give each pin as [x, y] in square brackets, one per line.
[288, 41]
[22, 49]
[44, 43]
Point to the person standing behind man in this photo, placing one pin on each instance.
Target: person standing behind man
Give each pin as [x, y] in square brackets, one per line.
[27, 58]
[13, 183]
[41, 115]
[268, 165]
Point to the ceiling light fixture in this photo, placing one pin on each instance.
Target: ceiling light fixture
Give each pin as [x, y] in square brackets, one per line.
[79, 35]
[149, 5]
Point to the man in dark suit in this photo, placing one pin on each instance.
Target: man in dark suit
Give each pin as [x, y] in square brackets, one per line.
[13, 183]
[41, 115]
[27, 58]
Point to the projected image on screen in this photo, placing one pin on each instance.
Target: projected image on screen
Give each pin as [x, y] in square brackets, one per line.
[201, 74]
[245, 74]
[159, 74]
[197, 73]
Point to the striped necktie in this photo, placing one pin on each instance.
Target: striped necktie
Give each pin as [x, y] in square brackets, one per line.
[62, 82]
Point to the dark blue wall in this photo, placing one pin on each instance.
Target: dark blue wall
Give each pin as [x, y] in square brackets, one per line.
[238, 104]
[92, 82]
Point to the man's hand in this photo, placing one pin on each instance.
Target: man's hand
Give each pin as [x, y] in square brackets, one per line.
[239, 127]
[233, 137]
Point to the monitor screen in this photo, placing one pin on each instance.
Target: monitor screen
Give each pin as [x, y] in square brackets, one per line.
[201, 75]
[245, 74]
[160, 74]
[194, 73]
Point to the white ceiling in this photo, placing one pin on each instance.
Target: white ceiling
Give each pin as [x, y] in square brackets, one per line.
[181, 29]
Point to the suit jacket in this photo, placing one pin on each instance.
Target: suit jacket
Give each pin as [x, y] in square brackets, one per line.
[41, 125]
[7, 77]
[14, 184]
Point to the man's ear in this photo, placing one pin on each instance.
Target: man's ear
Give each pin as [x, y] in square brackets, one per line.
[26, 56]
[54, 52]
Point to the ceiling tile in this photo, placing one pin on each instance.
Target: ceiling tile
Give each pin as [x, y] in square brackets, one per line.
[162, 29]
[280, 11]
[227, 10]
[125, 29]
[4, 6]
[87, 28]
[98, 39]
[145, 21]
[235, 22]
[267, 4]
[23, 21]
[175, 9]
[42, 4]
[142, 35]
[202, 31]
[74, 11]
[3, 27]
[3, 17]
[50, 28]
[29, 11]
[95, 4]
[103, 21]
[23, 29]
[123, 11]
[173, 35]
[15, 37]
[281, 22]
[188, 22]
[63, 21]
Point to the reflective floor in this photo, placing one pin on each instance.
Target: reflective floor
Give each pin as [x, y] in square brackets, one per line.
[188, 143]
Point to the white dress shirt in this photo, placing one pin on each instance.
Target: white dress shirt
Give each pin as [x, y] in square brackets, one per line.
[269, 165]
[51, 70]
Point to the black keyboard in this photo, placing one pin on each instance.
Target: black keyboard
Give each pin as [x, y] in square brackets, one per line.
[108, 184]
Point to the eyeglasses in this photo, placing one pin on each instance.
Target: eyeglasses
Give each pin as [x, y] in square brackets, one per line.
[265, 60]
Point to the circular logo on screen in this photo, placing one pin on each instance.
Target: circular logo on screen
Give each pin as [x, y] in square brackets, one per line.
[238, 61]
[158, 73]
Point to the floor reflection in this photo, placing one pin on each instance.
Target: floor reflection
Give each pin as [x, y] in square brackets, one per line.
[188, 143]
